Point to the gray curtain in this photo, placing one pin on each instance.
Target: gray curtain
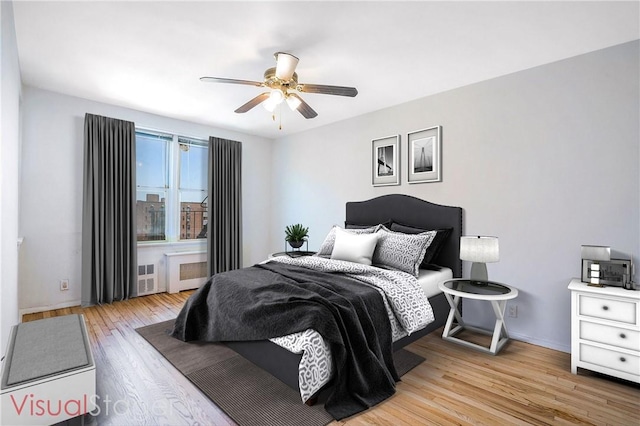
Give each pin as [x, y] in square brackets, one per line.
[224, 241]
[109, 207]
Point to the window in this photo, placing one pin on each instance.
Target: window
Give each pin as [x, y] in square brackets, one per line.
[152, 177]
[194, 164]
[172, 176]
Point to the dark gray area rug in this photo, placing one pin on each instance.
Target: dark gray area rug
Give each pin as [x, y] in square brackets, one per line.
[248, 394]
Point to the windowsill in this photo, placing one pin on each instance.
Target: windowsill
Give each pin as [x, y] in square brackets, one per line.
[200, 242]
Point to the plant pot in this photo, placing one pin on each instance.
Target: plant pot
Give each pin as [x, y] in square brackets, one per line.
[296, 244]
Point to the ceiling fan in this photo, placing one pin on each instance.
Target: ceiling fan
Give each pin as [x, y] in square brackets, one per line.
[283, 82]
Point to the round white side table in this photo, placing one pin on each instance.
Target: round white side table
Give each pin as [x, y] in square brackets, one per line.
[496, 293]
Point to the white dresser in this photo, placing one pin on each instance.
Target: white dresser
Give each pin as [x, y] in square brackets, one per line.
[605, 330]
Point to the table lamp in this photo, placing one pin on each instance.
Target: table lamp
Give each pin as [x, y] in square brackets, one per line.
[479, 250]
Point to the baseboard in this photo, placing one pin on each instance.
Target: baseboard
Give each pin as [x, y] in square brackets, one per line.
[62, 305]
[541, 342]
[39, 309]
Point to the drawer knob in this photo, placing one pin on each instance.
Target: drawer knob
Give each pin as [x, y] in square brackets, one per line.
[605, 308]
[623, 359]
[623, 336]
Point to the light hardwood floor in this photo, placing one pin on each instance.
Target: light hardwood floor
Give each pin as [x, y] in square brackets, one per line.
[524, 384]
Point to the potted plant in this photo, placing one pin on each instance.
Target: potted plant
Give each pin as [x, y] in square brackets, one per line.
[296, 235]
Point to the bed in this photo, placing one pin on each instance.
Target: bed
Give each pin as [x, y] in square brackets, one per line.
[398, 212]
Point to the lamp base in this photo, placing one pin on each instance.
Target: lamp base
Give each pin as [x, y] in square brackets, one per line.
[479, 273]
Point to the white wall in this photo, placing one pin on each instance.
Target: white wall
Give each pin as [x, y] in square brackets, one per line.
[51, 195]
[546, 159]
[9, 172]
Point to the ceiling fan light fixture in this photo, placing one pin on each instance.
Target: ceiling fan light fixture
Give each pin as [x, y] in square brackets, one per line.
[269, 105]
[275, 98]
[293, 102]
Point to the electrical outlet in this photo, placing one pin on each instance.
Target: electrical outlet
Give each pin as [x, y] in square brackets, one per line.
[64, 284]
[512, 311]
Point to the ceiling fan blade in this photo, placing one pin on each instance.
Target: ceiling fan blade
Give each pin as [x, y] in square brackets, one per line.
[230, 80]
[327, 90]
[253, 102]
[304, 107]
[285, 65]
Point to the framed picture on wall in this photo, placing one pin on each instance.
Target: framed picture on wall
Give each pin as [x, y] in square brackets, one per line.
[425, 155]
[385, 167]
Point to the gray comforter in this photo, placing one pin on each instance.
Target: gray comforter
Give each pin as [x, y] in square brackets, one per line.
[273, 299]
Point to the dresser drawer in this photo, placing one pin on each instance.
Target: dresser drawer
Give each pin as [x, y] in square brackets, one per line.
[628, 339]
[610, 359]
[610, 309]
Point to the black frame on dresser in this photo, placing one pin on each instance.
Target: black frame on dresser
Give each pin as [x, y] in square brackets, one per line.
[399, 208]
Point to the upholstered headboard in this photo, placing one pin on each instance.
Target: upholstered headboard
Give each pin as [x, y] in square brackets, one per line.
[411, 211]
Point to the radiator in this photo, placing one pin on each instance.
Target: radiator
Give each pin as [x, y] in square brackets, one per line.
[185, 270]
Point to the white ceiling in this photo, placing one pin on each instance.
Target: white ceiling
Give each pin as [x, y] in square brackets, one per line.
[149, 55]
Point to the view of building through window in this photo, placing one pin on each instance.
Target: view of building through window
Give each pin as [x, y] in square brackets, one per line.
[171, 200]
[150, 216]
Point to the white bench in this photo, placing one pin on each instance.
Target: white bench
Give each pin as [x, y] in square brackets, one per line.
[48, 372]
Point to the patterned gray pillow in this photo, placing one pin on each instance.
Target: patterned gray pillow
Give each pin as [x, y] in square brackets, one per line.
[436, 245]
[327, 246]
[403, 252]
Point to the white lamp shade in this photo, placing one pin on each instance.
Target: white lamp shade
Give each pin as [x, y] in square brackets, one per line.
[293, 102]
[275, 98]
[269, 105]
[479, 249]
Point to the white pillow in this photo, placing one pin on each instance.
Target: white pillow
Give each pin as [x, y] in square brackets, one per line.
[357, 248]
[327, 246]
